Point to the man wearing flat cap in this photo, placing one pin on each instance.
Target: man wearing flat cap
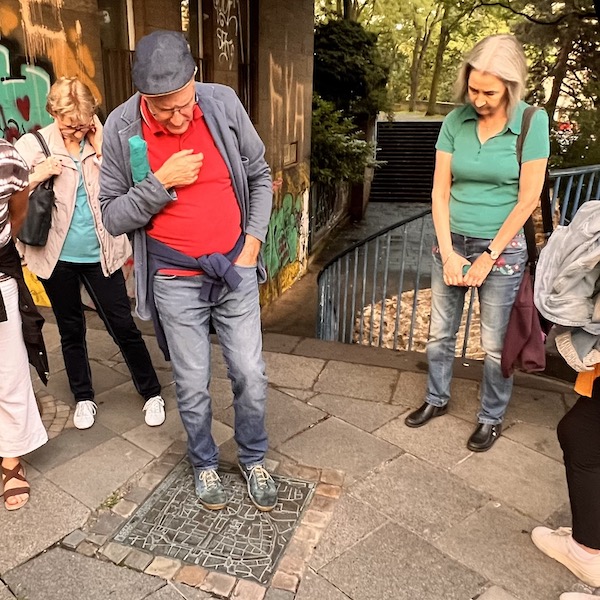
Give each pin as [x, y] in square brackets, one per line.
[184, 174]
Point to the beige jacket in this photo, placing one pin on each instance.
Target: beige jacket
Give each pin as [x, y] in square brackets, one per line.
[114, 251]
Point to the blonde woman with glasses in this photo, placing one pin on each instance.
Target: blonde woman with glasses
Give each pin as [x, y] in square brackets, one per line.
[80, 251]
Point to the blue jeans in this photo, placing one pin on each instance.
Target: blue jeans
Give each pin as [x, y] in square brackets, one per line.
[496, 297]
[236, 318]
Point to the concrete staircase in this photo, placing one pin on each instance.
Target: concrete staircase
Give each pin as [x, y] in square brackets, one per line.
[408, 149]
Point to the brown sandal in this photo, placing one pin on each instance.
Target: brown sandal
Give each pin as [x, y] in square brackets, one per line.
[14, 473]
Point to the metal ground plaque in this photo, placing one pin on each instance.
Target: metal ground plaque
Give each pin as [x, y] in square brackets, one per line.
[238, 540]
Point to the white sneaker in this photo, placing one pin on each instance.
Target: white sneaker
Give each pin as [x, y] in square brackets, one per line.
[577, 596]
[155, 411]
[85, 413]
[557, 545]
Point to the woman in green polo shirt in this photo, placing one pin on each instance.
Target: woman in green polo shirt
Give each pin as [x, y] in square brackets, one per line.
[480, 200]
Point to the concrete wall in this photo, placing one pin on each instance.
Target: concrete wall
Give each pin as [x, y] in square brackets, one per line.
[283, 119]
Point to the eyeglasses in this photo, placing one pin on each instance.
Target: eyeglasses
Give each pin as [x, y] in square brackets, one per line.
[70, 129]
[165, 114]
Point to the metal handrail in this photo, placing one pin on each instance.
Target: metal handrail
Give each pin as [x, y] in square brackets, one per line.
[375, 292]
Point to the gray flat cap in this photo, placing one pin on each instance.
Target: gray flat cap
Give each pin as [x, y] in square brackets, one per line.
[163, 63]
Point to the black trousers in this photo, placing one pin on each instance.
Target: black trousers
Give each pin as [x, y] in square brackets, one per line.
[110, 298]
[579, 437]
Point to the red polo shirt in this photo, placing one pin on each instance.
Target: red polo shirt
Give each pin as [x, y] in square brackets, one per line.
[205, 217]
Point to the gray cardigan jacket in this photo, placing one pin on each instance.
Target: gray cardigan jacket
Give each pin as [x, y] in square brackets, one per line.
[128, 207]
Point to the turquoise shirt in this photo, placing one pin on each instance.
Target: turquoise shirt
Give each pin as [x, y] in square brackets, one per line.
[81, 244]
[485, 177]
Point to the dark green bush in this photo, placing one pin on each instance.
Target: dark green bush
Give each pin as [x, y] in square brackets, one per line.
[349, 70]
[338, 153]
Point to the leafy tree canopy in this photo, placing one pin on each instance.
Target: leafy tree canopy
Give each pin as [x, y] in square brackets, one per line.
[349, 70]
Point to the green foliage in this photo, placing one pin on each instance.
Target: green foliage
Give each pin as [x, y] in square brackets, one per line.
[578, 145]
[349, 70]
[337, 153]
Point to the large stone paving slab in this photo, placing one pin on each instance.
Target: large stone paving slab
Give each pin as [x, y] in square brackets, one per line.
[464, 394]
[238, 540]
[366, 415]
[94, 475]
[103, 379]
[178, 591]
[155, 440]
[101, 346]
[120, 409]
[537, 407]
[337, 445]
[357, 381]
[69, 444]
[497, 593]
[5, 593]
[314, 587]
[410, 391]
[421, 498]
[49, 515]
[51, 336]
[292, 371]
[524, 479]
[285, 416]
[538, 438]
[352, 521]
[442, 442]
[393, 563]
[496, 542]
[278, 342]
[59, 574]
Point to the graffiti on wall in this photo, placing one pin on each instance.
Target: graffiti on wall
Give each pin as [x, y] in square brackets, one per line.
[47, 37]
[285, 251]
[287, 101]
[22, 98]
[226, 15]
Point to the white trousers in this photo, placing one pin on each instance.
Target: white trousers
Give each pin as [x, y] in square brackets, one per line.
[21, 428]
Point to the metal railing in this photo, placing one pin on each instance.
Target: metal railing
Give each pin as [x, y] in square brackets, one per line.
[377, 292]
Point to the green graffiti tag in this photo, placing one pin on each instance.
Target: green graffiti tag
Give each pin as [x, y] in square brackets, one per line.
[22, 98]
[283, 237]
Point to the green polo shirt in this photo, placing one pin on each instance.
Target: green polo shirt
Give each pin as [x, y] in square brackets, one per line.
[485, 177]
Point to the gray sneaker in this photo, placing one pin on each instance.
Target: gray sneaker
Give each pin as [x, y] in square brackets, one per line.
[210, 489]
[261, 487]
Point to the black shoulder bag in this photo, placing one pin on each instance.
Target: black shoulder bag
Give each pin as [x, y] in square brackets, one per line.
[35, 228]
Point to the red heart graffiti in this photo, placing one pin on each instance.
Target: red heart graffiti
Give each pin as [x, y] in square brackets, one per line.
[23, 104]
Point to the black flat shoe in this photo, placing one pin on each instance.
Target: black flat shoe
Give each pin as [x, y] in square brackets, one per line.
[483, 437]
[425, 413]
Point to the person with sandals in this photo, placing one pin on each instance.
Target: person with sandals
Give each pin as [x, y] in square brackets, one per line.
[21, 428]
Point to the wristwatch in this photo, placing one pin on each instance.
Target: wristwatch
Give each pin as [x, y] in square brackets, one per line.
[493, 253]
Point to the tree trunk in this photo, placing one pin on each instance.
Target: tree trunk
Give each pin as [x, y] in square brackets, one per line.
[347, 9]
[415, 70]
[559, 73]
[414, 74]
[437, 69]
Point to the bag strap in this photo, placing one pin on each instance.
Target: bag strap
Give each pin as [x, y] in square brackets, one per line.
[49, 183]
[42, 141]
[528, 227]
